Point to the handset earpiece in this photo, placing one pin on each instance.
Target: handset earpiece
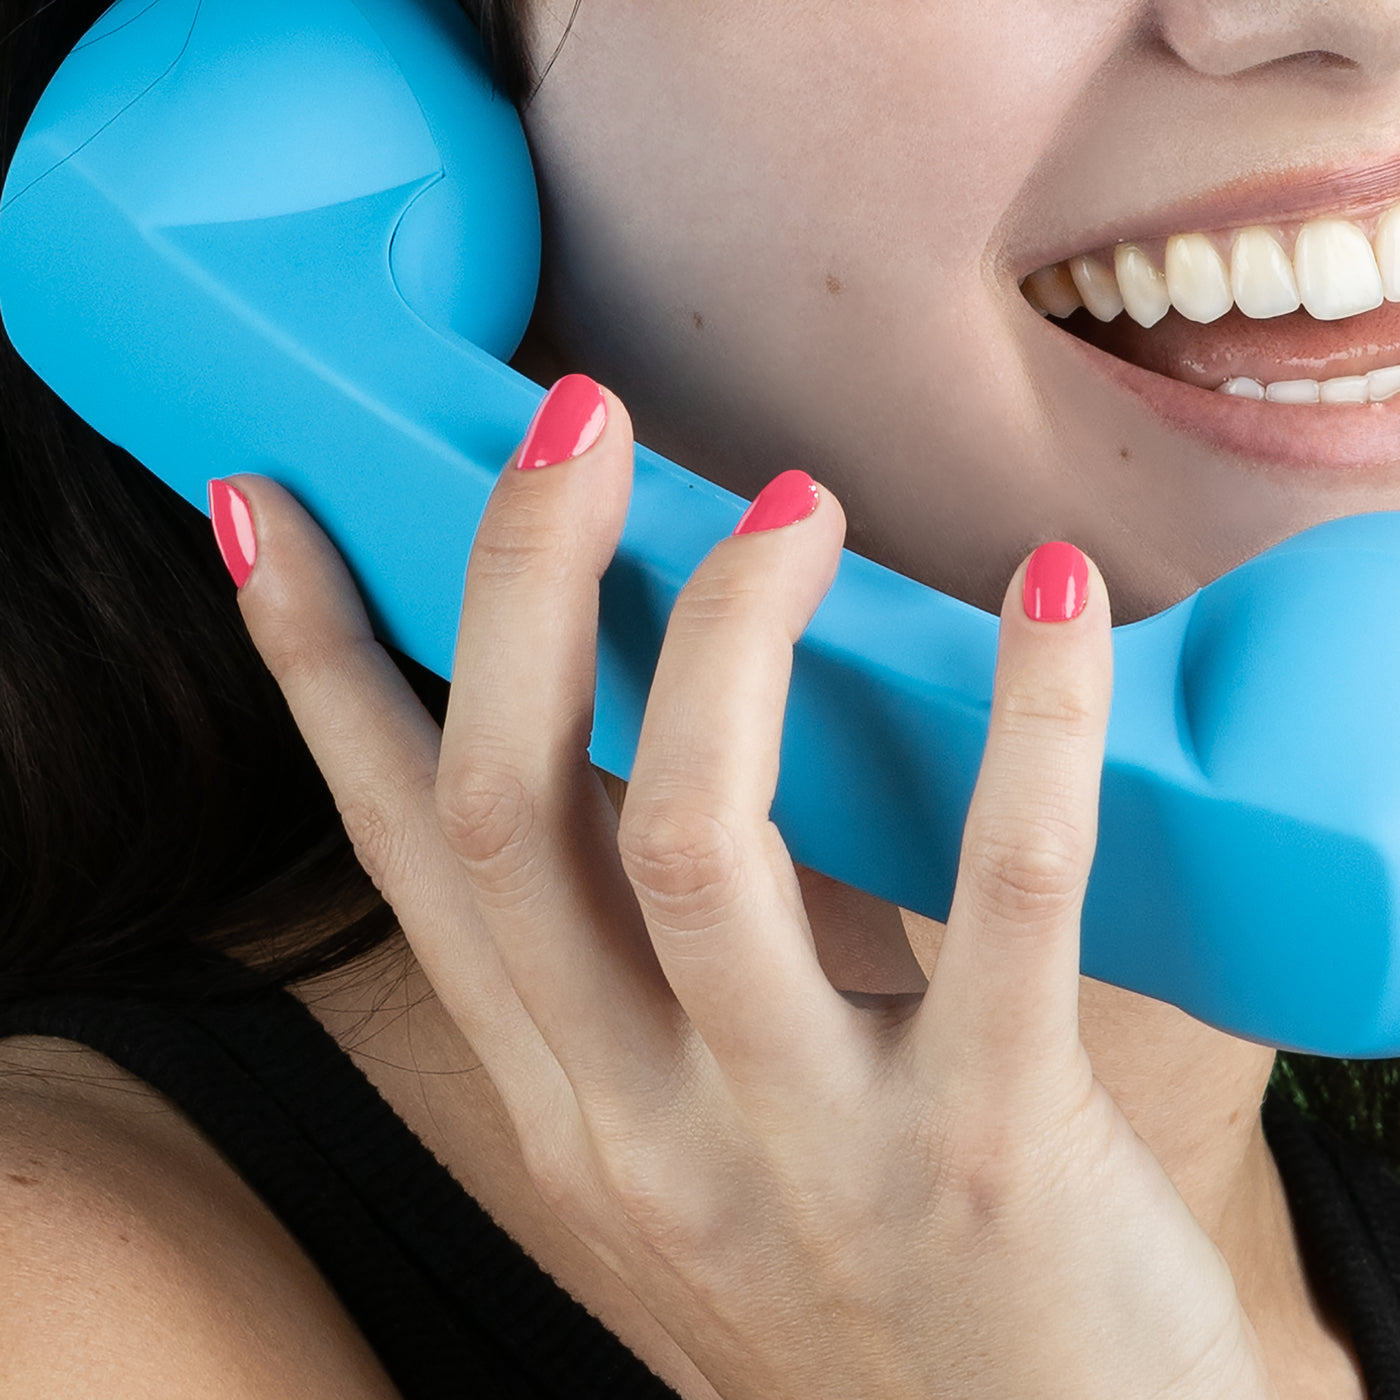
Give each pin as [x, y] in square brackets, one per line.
[299, 237]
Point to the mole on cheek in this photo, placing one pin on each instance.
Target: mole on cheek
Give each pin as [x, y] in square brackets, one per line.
[834, 285]
[699, 321]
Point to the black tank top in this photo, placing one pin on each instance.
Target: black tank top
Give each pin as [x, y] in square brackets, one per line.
[451, 1304]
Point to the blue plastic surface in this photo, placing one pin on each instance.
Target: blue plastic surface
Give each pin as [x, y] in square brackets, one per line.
[297, 237]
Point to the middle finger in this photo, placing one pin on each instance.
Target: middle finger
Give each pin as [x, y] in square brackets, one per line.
[714, 879]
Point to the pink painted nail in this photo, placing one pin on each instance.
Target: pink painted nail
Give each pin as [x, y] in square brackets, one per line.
[233, 529]
[1057, 583]
[569, 421]
[791, 496]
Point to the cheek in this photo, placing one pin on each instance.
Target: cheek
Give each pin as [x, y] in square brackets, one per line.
[681, 144]
[773, 232]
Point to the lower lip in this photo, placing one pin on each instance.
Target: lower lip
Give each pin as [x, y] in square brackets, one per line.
[1302, 437]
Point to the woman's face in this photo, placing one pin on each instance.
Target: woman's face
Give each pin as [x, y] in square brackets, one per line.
[794, 233]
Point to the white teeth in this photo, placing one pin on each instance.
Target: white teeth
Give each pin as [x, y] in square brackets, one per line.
[1197, 278]
[1384, 383]
[1261, 276]
[1337, 272]
[1097, 286]
[1292, 391]
[1349, 388]
[1386, 242]
[1242, 388]
[1334, 271]
[1376, 387]
[1143, 288]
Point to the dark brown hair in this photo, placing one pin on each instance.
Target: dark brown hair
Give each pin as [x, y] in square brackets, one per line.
[500, 24]
[158, 807]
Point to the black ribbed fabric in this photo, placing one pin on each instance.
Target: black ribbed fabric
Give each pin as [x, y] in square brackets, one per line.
[1345, 1203]
[452, 1306]
[450, 1303]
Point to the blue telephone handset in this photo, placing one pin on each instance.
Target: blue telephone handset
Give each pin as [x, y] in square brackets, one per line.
[299, 237]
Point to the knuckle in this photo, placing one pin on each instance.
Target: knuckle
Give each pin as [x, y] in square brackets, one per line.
[377, 840]
[659, 1205]
[1032, 868]
[305, 663]
[715, 593]
[979, 1170]
[928, 1128]
[679, 858]
[492, 823]
[525, 541]
[986, 1182]
[287, 655]
[1030, 709]
[508, 561]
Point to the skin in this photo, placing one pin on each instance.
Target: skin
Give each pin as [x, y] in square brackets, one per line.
[723, 270]
[750, 238]
[856, 320]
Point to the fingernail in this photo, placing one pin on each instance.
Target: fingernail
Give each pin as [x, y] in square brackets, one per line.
[233, 529]
[791, 496]
[1057, 583]
[569, 421]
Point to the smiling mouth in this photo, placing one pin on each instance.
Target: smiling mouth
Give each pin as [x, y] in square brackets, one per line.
[1302, 313]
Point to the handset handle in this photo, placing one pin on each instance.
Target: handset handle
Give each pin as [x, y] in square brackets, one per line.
[262, 235]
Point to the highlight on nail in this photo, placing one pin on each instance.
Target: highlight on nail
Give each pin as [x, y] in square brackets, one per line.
[567, 423]
[791, 496]
[232, 519]
[1057, 583]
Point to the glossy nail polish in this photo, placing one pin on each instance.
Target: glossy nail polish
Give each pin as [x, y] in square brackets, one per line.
[1057, 583]
[569, 421]
[791, 496]
[233, 529]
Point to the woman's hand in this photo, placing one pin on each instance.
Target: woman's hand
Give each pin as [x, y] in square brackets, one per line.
[928, 1196]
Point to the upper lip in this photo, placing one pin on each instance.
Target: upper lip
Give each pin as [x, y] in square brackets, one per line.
[1282, 197]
